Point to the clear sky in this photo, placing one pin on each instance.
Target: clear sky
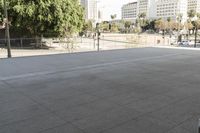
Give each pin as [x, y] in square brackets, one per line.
[112, 7]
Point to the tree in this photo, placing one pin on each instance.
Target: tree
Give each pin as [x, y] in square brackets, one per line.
[87, 26]
[142, 15]
[114, 28]
[113, 16]
[112, 24]
[37, 17]
[198, 20]
[127, 25]
[169, 19]
[191, 14]
[142, 21]
[188, 25]
[104, 26]
[160, 24]
[196, 27]
[198, 15]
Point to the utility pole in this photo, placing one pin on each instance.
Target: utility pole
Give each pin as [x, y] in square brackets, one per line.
[7, 30]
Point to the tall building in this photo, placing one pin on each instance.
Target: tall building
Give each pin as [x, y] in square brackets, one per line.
[129, 11]
[194, 5]
[148, 7]
[143, 6]
[172, 9]
[91, 10]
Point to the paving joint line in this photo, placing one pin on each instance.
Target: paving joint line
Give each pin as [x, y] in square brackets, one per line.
[81, 68]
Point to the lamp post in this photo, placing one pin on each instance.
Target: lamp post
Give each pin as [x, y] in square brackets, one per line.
[98, 36]
[7, 30]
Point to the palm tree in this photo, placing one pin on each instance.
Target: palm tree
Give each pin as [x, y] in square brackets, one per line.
[179, 20]
[191, 15]
[169, 19]
[142, 22]
[198, 15]
[169, 24]
[142, 15]
[127, 25]
[197, 26]
[113, 16]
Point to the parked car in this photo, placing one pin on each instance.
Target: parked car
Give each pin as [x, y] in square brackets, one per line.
[185, 43]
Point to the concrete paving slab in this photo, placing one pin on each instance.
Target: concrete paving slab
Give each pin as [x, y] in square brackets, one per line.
[106, 120]
[147, 90]
[143, 124]
[66, 128]
[33, 125]
[178, 130]
[86, 110]
[19, 115]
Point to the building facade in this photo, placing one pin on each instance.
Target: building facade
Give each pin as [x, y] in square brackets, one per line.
[171, 9]
[129, 11]
[194, 5]
[155, 9]
[143, 6]
[148, 7]
[91, 10]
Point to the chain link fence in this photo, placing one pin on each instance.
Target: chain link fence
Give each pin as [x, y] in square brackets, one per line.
[45, 46]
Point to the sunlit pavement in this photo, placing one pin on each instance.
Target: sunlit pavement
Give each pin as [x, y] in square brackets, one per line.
[143, 90]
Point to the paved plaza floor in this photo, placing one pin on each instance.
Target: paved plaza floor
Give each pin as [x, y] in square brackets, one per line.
[143, 90]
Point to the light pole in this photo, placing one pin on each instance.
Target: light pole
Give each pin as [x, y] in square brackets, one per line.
[7, 30]
[98, 36]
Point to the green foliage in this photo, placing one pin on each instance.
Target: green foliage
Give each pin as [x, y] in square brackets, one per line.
[1, 12]
[127, 24]
[142, 15]
[114, 28]
[104, 26]
[169, 19]
[198, 15]
[191, 14]
[113, 16]
[87, 26]
[61, 17]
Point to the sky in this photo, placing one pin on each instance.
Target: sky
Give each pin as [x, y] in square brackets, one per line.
[112, 7]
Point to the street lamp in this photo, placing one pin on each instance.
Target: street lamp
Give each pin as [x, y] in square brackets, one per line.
[98, 36]
[7, 30]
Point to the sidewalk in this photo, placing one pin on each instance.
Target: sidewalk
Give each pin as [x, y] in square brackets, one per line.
[144, 90]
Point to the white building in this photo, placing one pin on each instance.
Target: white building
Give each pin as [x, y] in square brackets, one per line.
[129, 11]
[194, 5]
[148, 7]
[171, 9]
[143, 6]
[91, 10]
